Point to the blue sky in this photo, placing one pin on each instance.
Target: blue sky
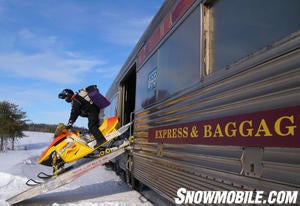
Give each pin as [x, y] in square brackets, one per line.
[49, 45]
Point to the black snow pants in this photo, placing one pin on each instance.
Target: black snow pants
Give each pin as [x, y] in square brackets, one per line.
[93, 124]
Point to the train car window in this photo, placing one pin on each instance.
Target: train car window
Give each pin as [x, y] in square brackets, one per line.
[179, 57]
[239, 28]
[112, 109]
[146, 85]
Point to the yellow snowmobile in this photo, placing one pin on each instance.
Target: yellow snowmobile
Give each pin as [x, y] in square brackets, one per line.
[69, 146]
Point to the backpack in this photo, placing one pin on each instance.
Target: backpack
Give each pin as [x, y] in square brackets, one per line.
[92, 95]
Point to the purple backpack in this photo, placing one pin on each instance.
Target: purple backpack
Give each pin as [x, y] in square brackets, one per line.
[98, 99]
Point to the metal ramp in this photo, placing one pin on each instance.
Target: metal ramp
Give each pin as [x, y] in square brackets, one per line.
[63, 179]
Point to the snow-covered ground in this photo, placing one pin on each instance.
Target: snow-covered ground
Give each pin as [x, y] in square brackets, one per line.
[98, 187]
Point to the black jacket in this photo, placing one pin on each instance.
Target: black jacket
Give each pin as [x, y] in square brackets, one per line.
[81, 107]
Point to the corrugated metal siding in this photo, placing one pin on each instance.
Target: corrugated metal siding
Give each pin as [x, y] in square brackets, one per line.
[263, 86]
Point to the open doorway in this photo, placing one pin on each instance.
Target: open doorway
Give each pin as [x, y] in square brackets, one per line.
[128, 87]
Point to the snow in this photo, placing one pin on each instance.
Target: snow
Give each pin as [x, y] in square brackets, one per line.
[98, 187]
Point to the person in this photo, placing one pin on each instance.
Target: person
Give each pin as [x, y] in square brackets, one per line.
[84, 107]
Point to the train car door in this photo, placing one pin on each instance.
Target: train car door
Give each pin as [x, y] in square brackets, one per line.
[128, 89]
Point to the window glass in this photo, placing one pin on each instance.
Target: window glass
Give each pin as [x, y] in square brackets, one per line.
[179, 57]
[112, 109]
[146, 84]
[243, 27]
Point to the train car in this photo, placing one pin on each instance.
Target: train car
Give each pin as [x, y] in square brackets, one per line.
[213, 88]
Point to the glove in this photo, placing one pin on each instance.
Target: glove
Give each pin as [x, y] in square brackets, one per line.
[69, 126]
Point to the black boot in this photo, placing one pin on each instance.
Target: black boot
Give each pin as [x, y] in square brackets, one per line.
[100, 139]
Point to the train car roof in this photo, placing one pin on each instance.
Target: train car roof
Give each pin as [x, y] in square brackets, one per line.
[166, 6]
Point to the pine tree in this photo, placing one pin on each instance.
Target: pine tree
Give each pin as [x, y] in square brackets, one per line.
[12, 123]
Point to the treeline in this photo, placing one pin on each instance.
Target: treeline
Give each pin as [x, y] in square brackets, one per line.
[46, 127]
[40, 127]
